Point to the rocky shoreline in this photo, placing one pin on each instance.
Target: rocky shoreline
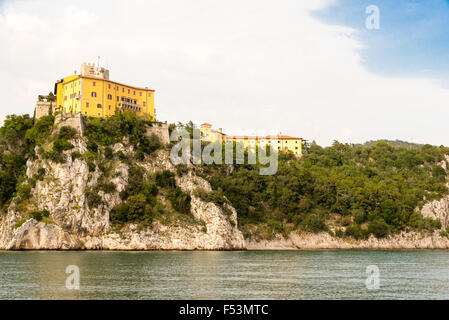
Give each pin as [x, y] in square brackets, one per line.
[306, 241]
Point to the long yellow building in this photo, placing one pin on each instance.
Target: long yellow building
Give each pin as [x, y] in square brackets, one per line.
[278, 142]
[91, 93]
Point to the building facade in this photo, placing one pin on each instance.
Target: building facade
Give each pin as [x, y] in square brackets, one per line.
[92, 94]
[210, 135]
[278, 142]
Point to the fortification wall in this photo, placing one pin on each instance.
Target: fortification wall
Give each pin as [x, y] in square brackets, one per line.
[74, 121]
[161, 131]
[43, 108]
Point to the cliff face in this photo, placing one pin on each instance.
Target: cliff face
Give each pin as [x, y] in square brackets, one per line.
[73, 225]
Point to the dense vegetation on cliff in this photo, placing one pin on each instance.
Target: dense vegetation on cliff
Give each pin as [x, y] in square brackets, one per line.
[344, 189]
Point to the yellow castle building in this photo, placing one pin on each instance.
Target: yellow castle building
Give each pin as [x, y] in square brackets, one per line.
[91, 93]
[209, 134]
[278, 142]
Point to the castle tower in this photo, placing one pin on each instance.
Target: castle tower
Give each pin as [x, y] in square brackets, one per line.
[89, 69]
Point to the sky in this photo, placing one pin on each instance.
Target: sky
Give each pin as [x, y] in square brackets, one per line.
[310, 69]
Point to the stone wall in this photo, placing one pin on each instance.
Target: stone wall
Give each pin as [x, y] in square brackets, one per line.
[42, 108]
[74, 121]
[161, 131]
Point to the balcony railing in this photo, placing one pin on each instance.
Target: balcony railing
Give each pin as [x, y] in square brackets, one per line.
[130, 106]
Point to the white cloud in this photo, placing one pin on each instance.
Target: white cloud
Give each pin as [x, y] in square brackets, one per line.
[241, 65]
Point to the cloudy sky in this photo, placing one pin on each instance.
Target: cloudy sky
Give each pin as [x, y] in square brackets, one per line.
[306, 68]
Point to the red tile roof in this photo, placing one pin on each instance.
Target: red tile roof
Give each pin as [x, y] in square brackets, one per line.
[278, 137]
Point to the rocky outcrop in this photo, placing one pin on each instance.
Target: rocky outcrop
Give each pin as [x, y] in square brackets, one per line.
[323, 240]
[72, 225]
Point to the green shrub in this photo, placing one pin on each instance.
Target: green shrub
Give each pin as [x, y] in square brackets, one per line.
[24, 191]
[419, 223]
[181, 169]
[108, 153]
[179, 200]
[122, 157]
[215, 196]
[379, 228]
[39, 215]
[165, 179]
[150, 191]
[55, 156]
[119, 213]
[107, 187]
[339, 233]
[354, 231]
[40, 131]
[20, 222]
[137, 207]
[314, 223]
[92, 146]
[135, 182]
[66, 133]
[40, 174]
[93, 198]
[76, 155]
[61, 145]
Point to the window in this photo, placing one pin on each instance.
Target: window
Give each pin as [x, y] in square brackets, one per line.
[65, 98]
[110, 96]
[144, 104]
[99, 106]
[87, 104]
[129, 91]
[123, 89]
[109, 107]
[117, 98]
[134, 92]
[94, 94]
[140, 94]
[109, 86]
[93, 83]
